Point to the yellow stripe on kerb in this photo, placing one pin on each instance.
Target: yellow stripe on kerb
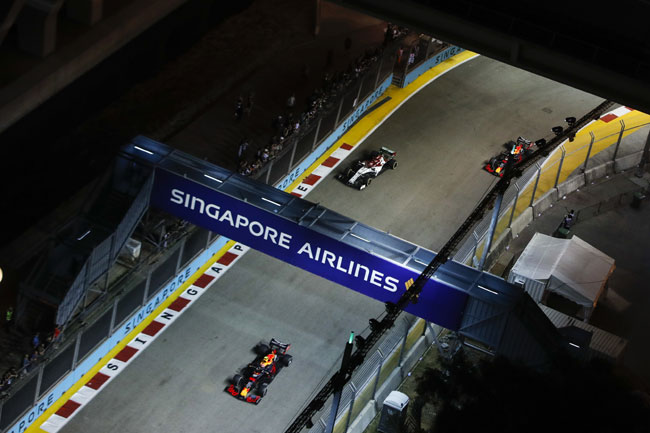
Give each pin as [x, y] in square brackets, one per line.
[36, 425]
[368, 123]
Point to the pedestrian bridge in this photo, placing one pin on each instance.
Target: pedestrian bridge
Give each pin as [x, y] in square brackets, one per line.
[476, 304]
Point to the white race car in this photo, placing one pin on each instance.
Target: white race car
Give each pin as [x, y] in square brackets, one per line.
[361, 172]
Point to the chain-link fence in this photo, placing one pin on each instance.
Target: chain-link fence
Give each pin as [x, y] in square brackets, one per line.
[380, 372]
[590, 155]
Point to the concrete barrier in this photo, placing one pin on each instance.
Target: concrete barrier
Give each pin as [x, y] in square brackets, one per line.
[570, 185]
[627, 162]
[599, 171]
[520, 223]
[544, 202]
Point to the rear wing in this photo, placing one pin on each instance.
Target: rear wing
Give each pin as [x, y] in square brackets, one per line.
[279, 346]
[388, 151]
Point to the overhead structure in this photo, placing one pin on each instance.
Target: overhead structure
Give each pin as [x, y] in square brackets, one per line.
[601, 50]
[571, 268]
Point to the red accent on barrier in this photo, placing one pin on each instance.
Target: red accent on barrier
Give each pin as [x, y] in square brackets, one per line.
[68, 408]
[296, 194]
[203, 281]
[179, 304]
[227, 258]
[331, 161]
[346, 146]
[97, 380]
[126, 354]
[311, 179]
[608, 117]
[153, 328]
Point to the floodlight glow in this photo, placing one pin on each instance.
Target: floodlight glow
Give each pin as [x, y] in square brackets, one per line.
[271, 201]
[488, 290]
[213, 178]
[143, 150]
[83, 235]
[359, 237]
[574, 345]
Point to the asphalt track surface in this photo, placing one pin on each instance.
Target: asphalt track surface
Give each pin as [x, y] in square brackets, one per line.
[442, 136]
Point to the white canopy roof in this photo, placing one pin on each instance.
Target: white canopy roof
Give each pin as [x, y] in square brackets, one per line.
[572, 267]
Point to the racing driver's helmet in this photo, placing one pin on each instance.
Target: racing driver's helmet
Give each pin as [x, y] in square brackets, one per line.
[266, 361]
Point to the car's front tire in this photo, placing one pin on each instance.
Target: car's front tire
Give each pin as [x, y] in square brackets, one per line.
[365, 183]
[237, 382]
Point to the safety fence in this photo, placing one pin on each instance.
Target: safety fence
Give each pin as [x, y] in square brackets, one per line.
[133, 296]
[592, 154]
[381, 372]
[140, 290]
[336, 117]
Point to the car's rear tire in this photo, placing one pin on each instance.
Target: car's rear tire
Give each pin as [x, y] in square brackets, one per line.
[392, 164]
[262, 349]
[286, 360]
[262, 390]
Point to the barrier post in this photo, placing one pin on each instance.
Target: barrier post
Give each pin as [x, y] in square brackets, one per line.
[401, 352]
[39, 381]
[293, 153]
[354, 396]
[76, 350]
[539, 174]
[381, 62]
[620, 136]
[113, 315]
[557, 177]
[475, 244]
[145, 296]
[268, 172]
[313, 146]
[591, 143]
[514, 205]
[338, 113]
[376, 385]
[644, 158]
[491, 230]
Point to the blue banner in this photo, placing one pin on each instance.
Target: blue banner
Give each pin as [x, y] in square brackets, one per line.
[303, 247]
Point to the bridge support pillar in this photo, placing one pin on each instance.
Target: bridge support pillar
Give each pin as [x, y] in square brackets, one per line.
[37, 24]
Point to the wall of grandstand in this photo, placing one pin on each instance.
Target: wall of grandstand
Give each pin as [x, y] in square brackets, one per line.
[24, 398]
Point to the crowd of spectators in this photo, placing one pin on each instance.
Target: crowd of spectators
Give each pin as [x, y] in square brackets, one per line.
[30, 360]
[334, 85]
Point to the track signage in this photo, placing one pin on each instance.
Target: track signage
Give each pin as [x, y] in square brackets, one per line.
[304, 247]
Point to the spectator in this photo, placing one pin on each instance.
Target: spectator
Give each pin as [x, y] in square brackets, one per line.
[400, 52]
[239, 108]
[25, 365]
[36, 340]
[56, 333]
[41, 350]
[241, 152]
[411, 58]
[9, 318]
[291, 101]
[569, 219]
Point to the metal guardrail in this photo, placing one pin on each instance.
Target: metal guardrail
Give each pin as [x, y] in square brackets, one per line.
[538, 180]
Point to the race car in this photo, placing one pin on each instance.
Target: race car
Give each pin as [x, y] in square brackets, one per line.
[361, 172]
[515, 150]
[252, 381]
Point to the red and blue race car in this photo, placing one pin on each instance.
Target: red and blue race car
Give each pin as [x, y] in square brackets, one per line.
[253, 380]
[514, 150]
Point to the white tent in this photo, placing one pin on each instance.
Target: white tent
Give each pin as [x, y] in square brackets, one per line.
[570, 267]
